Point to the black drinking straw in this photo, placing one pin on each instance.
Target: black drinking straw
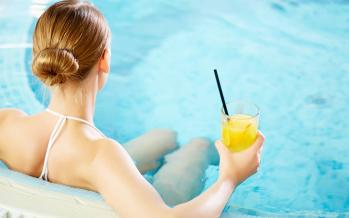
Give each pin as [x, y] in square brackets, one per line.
[221, 92]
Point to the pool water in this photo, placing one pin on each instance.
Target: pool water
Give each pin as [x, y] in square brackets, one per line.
[289, 57]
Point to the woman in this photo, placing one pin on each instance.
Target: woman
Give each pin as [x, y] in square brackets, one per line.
[71, 54]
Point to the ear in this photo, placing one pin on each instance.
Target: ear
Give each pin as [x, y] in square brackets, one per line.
[104, 61]
[103, 68]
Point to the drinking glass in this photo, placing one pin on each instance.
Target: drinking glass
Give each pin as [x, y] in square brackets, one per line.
[240, 127]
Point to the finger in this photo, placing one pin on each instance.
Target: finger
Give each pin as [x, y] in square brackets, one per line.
[255, 147]
[261, 149]
[259, 141]
[261, 134]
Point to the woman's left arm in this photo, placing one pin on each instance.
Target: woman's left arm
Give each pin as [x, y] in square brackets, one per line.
[5, 115]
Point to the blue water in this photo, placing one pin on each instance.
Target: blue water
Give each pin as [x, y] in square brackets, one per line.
[289, 57]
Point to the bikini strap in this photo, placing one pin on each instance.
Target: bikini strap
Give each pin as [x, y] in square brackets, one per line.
[75, 118]
[54, 134]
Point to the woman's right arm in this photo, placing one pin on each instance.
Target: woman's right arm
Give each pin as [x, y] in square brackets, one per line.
[114, 175]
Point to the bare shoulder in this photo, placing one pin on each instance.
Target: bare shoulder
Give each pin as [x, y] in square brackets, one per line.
[108, 149]
[105, 143]
[8, 113]
[110, 162]
[95, 151]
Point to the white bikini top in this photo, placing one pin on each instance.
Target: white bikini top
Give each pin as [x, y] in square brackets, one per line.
[55, 132]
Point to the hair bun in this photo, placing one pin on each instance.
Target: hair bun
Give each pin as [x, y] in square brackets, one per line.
[55, 66]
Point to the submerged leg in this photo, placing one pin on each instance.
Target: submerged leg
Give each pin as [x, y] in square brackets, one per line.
[149, 149]
[181, 177]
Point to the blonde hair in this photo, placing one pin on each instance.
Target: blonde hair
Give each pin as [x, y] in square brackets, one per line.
[69, 38]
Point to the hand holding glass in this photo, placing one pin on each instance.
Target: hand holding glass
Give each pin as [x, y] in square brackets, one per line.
[240, 128]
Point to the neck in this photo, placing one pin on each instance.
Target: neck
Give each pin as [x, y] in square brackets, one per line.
[75, 101]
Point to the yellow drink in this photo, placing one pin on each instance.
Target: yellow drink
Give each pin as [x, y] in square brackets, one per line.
[239, 131]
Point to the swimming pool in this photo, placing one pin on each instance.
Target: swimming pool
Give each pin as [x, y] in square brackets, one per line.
[289, 57]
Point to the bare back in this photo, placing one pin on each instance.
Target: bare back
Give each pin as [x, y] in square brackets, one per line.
[24, 140]
[81, 157]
